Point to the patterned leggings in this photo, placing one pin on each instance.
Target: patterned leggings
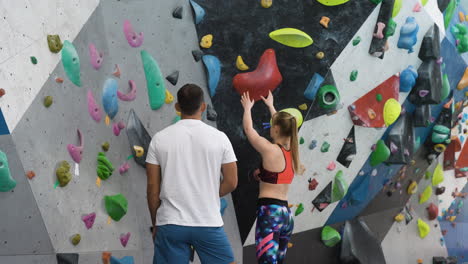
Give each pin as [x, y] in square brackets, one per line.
[274, 229]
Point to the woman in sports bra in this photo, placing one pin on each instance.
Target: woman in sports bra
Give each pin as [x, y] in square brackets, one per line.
[280, 160]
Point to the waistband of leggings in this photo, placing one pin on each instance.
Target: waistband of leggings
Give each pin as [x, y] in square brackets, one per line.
[270, 201]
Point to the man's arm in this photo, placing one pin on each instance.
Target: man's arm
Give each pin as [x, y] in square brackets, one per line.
[153, 188]
[229, 182]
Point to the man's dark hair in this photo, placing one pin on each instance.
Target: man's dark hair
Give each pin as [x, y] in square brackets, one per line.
[190, 98]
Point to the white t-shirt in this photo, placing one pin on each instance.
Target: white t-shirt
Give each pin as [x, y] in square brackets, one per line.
[190, 154]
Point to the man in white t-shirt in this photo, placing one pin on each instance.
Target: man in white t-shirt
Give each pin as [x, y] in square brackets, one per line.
[184, 164]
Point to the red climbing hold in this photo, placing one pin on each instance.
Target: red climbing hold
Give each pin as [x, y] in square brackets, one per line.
[449, 153]
[313, 183]
[259, 82]
[462, 161]
[359, 110]
[433, 211]
[2, 92]
[30, 174]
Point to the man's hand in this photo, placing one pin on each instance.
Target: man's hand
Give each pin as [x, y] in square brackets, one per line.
[154, 232]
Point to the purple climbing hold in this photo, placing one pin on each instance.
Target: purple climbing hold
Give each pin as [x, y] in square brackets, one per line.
[124, 239]
[135, 40]
[124, 168]
[117, 127]
[89, 220]
[76, 152]
[130, 96]
[95, 57]
[93, 108]
[423, 93]
[393, 148]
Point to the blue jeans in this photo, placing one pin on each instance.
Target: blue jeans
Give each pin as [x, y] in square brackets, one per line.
[172, 245]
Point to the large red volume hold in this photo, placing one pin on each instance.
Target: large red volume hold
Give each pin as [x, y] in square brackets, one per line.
[462, 161]
[449, 153]
[259, 82]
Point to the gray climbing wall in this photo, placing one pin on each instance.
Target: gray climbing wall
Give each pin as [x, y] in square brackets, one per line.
[42, 134]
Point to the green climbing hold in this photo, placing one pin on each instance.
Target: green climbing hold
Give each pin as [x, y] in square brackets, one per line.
[7, 183]
[340, 187]
[379, 98]
[325, 147]
[353, 76]
[425, 195]
[104, 168]
[154, 81]
[397, 7]
[54, 42]
[291, 37]
[105, 146]
[332, 2]
[424, 2]
[48, 100]
[33, 60]
[63, 173]
[391, 28]
[330, 237]
[440, 134]
[301, 141]
[449, 11]
[356, 41]
[438, 176]
[116, 206]
[427, 175]
[328, 97]
[380, 154]
[71, 62]
[376, 1]
[423, 228]
[299, 209]
[75, 239]
[445, 87]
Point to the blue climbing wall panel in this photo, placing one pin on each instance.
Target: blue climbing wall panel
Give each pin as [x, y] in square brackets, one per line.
[3, 126]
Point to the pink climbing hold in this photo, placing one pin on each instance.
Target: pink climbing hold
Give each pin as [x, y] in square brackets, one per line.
[76, 152]
[417, 7]
[89, 220]
[423, 93]
[130, 96]
[393, 148]
[135, 40]
[440, 60]
[124, 239]
[124, 168]
[95, 56]
[379, 34]
[331, 166]
[93, 108]
[117, 127]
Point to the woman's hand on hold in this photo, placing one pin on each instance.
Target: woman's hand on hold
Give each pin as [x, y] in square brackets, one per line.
[268, 100]
[246, 102]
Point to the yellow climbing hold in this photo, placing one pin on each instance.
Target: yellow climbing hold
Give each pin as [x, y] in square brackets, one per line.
[392, 110]
[320, 55]
[98, 182]
[169, 97]
[107, 120]
[240, 64]
[332, 2]
[397, 7]
[109, 220]
[206, 41]
[461, 16]
[296, 113]
[303, 107]
[291, 37]
[400, 217]
[424, 2]
[452, 218]
[266, 3]
[438, 176]
[424, 228]
[413, 187]
[425, 195]
[290, 245]
[178, 113]
[139, 151]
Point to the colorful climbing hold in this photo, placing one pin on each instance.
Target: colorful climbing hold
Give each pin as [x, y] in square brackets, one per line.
[30, 174]
[93, 108]
[413, 187]
[328, 97]
[301, 140]
[134, 40]
[116, 206]
[71, 62]
[95, 57]
[379, 98]
[438, 176]
[408, 34]
[48, 100]
[340, 187]
[206, 41]
[299, 209]
[397, 7]
[313, 86]
[265, 78]
[116, 72]
[424, 228]
[54, 43]
[425, 195]
[33, 60]
[169, 97]
[417, 7]
[390, 29]
[266, 3]
[353, 76]
[109, 98]
[332, 2]
[124, 168]
[380, 154]
[399, 217]
[449, 12]
[89, 220]
[63, 173]
[199, 12]
[463, 83]
[325, 147]
[139, 151]
[2, 92]
[104, 167]
[154, 81]
[313, 183]
[303, 107]
[408, 79]
[75, 239]
[240, 64]
[391, 112]
[331, 166]
[76, 151]
[131, 95]
[58, 80]
[124, 238]
[291, 37]
[330, 237]
[379, 30]
[324, 21]
[7, 183]
[356, 41]
[320, 55]
[313, 144]
[213, 68]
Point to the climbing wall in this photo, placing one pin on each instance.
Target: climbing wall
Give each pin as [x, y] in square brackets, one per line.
[373, 130]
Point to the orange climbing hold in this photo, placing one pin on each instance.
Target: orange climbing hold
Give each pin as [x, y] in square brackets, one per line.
[324, 21]
[58, 80]
[461, 16]
[106, 257]
[290, 245]
[30, 174]
[372, 114]
[464, 81]
[420, 261]
[117, 71]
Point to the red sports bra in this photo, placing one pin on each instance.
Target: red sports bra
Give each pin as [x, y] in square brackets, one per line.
[284, 177]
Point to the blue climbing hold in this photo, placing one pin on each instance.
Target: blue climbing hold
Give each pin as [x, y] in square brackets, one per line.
[223, 205]
[313, 86]
[408, 79]
[199, 12]
[408, 34]
[213, 67]
[109, 98]
[124, 260]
